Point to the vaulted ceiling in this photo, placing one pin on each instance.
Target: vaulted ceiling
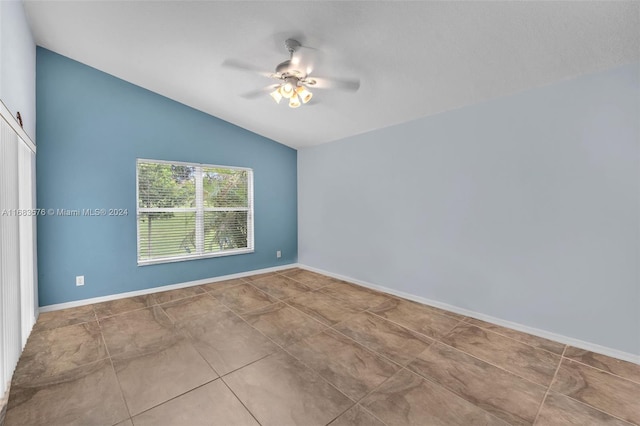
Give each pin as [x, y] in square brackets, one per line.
[413, 58]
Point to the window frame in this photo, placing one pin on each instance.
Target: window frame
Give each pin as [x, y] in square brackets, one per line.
[199, 211]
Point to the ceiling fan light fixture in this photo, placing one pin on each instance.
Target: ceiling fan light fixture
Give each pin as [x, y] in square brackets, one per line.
[304, 94]
[293, 80]
[286, 90]
[294, 101]
[276, 95]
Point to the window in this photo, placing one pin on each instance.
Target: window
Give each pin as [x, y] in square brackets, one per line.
[188, 211]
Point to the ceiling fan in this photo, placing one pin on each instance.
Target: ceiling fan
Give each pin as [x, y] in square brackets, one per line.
[294, 80]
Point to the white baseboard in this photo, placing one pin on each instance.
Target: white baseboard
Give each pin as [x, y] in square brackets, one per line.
[76, 303]
[593, 347]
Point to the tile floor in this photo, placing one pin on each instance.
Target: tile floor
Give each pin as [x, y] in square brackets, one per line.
[299, 348]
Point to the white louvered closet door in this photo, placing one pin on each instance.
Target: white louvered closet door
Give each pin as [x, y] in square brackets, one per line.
[10, 316]
[27, 226]
[17, 246]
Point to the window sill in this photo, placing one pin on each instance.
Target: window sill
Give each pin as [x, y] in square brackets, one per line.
[193, 257]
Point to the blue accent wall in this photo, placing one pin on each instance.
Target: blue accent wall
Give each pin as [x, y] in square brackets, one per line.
[91, 128]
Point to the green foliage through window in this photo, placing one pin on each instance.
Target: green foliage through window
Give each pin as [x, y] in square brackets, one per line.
[192, 210]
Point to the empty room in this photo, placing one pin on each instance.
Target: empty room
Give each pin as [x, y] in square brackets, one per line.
[312, 213]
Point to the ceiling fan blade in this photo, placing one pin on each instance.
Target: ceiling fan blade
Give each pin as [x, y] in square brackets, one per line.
[242, 66]
[351, 85]
[259, 92]
[308, 57]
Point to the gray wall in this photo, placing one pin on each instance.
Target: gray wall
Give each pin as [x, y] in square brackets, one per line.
[18, 64]
[524, 208]
[18, 72]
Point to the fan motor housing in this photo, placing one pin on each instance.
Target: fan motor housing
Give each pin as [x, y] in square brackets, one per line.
[286, 69]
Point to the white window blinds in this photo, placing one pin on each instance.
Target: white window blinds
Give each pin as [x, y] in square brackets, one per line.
[189, 210]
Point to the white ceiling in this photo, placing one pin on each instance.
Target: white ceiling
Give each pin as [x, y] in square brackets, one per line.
[413, 58]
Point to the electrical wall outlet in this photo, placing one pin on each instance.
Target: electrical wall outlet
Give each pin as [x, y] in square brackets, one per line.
[278, 254]
[80, 280]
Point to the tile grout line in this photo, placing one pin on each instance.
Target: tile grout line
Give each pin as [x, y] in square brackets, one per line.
[188, 337]
[371, 414]
[309, 289]
[306, 284]
[439, 340]
[576, 400]
[430, 308]
[318, 373]
[430, 380]
[390, 296]
[414, 373]
[370, 349]
[453, 328]
[278, 300]
[356, 288]
[126, 312]
[433, 381]
[416, 331]
[284, 301]
[145, 307]
[174, 397]
[285, 277]
[283, 348]
[287, 301]
[519, 341]
[233, 312]
[252, 310]
[439, 311]
[154, 303]
[600, 369]
[341, 413]
[375, 389]
[359, 344]
[241, 401]
[599, 410]
[254, 328]
[491, 363]
[178, 298]
[373, 351]
[585, 403]
[338, 415]
[432, 339]
[327, 327]
[210, 292]
[544, 398]
[113, 367]
[246, 365]
[173, 323]
[34, 331]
